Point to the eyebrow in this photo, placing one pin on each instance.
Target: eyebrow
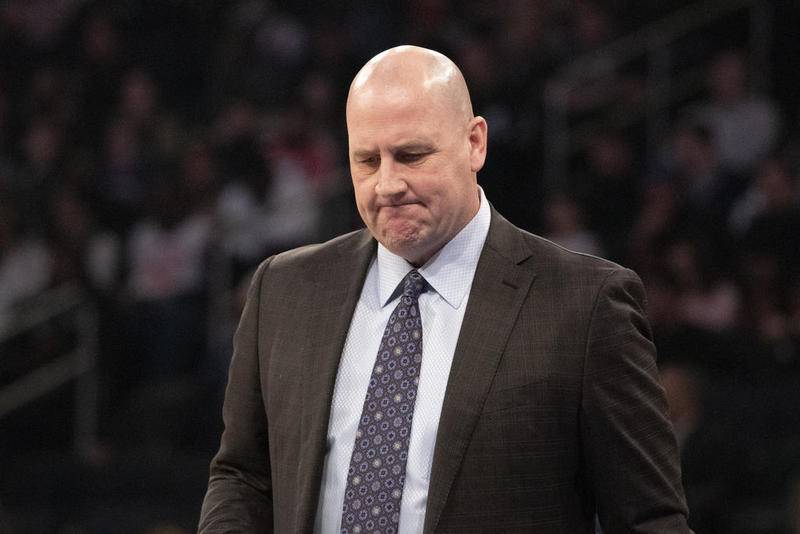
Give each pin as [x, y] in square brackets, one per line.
[413, 147]
[363, 154]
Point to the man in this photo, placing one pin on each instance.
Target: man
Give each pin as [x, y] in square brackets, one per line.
[537, 401]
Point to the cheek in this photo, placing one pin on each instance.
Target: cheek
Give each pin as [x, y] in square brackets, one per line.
[364, 194]
[439, 193]
[365, 204]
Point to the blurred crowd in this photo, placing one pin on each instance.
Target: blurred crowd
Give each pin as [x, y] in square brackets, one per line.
[152, 153]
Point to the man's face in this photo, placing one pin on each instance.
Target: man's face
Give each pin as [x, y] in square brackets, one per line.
[413, 167]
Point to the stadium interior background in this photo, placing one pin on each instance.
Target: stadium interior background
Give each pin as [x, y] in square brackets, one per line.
[153, 152]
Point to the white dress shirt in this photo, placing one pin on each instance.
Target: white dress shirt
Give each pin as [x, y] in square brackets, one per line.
[449, 274]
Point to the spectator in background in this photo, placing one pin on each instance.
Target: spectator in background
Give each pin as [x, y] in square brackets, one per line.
[770, 241]
[512, 114]
[660, 214]
[688, 288]
[707, 297]
[683, 387]
[88, 256]
[166, 261]
[486, 76]
[764, 284]
[710, 458]
[39, 21]
[269, 203]
[138, 99]
[133, 148]
[526, 40]
[564, 225]
[5, 129]
[591, 26]
[323, 128]
[301, 142]
[701, 181]
[42, 149]
[125, 176]
[609, 190]
[745, 126]
[200, 175]
[83, 251]
[25, 262]
[773, 192]
[101, 61]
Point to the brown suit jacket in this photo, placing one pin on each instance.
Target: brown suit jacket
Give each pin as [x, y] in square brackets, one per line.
[552, 413]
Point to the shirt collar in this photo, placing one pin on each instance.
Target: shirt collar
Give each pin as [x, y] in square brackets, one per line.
[449, 272]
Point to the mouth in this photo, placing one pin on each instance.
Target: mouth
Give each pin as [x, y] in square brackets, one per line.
[399, 211]
[399, 205]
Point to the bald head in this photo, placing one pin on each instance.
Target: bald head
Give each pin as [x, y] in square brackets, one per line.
[414, 74]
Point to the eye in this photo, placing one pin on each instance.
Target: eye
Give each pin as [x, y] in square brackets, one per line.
[370, 161]
[410, 157]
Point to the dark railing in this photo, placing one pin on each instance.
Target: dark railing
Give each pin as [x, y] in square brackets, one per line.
[71, 306]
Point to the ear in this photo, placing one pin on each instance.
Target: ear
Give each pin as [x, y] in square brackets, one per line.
[478, 132]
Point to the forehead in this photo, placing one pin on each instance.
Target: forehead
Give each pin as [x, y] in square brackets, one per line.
[396, 116]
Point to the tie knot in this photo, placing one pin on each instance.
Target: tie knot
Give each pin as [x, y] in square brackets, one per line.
[413, 284]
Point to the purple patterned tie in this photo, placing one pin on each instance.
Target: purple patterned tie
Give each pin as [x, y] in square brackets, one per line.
[378, 465]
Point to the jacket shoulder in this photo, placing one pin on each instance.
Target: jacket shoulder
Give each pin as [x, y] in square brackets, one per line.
[547, 257]
[582, 279]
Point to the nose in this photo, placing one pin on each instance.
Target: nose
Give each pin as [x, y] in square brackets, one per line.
[391, 182]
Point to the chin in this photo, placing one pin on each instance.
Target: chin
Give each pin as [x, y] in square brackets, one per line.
[404, 247]
[415, 252]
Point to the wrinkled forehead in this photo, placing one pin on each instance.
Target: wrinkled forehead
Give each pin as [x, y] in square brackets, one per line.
[388, 120]
[398, 100]
[392, 116]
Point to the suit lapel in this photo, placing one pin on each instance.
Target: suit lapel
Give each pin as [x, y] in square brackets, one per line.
[498, 290]
[332, 305]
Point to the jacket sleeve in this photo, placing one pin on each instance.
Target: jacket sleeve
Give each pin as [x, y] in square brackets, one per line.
[239, 495]
[629, 446]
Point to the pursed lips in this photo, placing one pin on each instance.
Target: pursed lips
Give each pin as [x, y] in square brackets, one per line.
[398, 205]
